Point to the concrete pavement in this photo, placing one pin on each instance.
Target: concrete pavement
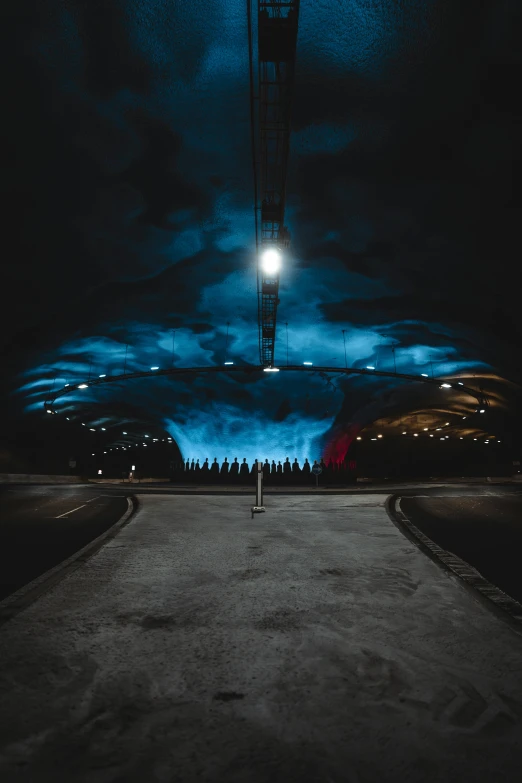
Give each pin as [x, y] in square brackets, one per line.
[314, 643]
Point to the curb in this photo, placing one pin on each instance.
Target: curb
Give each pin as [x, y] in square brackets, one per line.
[29, 593]
[491, 596]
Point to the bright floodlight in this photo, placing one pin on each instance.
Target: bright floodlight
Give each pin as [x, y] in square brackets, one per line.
[359, 437]
[270, 369]
[482, 410]
[308, 363]
[154, 368]
[424, 374]
[102, 376]
[48, 410]
[370, 367]
[460, 383]
[379, 436]
[446, 386]
[415, 435]
[124, 433]
[83, 385]
[271, 261]
[229, 362]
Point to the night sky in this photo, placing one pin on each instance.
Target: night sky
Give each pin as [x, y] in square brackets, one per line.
[129, 214]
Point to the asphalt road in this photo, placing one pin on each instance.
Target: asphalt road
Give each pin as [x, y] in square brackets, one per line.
[313, 644]
[485, 531]
[41, 526]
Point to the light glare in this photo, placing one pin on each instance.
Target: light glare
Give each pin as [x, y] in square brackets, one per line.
[271, 261]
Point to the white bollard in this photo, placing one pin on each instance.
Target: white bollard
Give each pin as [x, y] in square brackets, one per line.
[258, 508]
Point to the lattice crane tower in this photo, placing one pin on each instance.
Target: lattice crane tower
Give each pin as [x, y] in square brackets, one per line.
[277, 43]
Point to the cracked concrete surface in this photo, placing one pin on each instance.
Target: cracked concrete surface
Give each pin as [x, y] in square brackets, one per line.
[313, 643]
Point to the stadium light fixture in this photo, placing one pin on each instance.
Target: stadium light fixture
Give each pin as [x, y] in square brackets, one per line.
[359, 437]
[271, 261]
[482, 410]
[226, 363]
[404, 433]
[83, 385]
[270, 369]
[102, 376]
[154, 368]
[370, 367]
[460, 383]
[379, 436]
[445, 386]
[424, 374]
[309, 364]
[415, 434]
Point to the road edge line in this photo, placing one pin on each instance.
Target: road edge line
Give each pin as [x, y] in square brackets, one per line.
[29, 593]
[505, 607]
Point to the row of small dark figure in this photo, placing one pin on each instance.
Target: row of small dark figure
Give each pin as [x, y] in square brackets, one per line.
[277, 473]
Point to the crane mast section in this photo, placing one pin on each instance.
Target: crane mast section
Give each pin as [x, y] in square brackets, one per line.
[277, 43]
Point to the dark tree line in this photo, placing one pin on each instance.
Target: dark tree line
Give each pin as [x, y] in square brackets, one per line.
[274, 473]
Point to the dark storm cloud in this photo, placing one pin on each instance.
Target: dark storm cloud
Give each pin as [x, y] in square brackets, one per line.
[111, 61]
[130, 203]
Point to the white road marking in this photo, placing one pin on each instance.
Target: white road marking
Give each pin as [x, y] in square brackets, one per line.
[70, 512]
